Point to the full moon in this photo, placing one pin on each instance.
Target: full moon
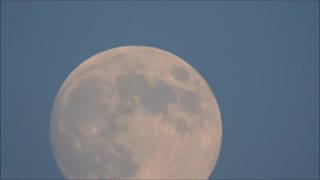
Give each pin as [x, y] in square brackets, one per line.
[135, 112]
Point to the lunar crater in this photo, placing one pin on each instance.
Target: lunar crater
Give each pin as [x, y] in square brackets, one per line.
[180, 74]
[130, 85]
[157, 98]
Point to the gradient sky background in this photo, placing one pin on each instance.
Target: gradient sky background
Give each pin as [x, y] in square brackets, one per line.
[261, 60]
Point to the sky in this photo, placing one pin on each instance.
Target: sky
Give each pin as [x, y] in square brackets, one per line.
[260, 58]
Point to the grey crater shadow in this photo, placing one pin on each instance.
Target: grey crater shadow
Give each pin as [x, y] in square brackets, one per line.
[155, 98]
[180, 74]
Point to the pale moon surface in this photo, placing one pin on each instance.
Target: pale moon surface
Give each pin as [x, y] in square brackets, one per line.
[135, 112]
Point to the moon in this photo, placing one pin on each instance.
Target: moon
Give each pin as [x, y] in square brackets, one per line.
[135, 112]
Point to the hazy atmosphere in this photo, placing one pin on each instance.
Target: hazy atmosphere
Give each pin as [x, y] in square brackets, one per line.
[261, 60]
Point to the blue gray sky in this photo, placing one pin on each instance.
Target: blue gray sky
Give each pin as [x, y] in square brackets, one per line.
[261, 59]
